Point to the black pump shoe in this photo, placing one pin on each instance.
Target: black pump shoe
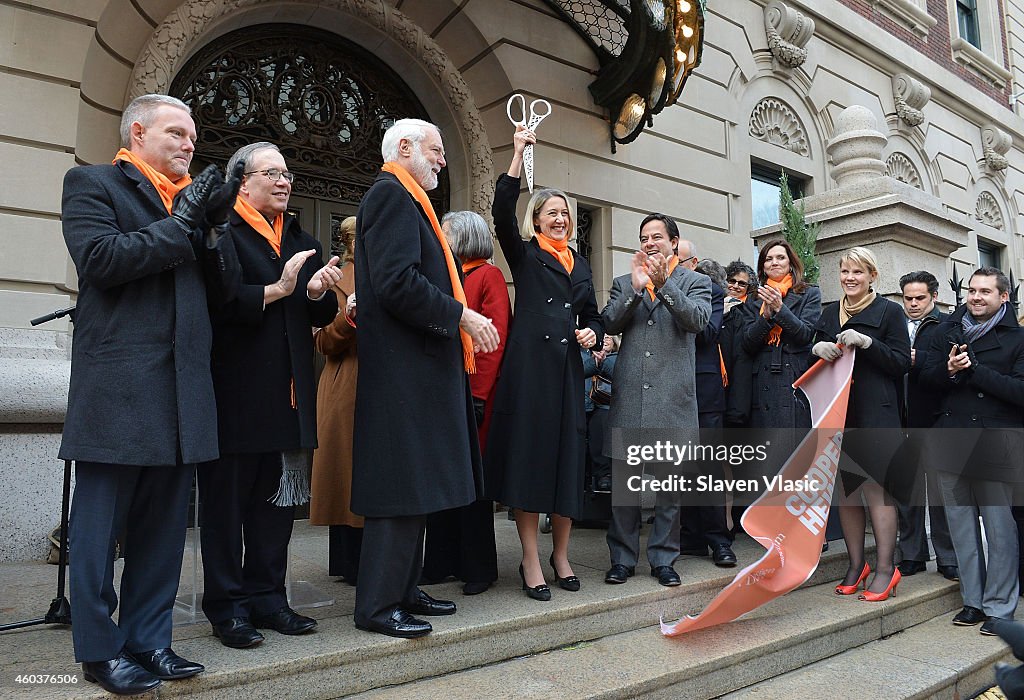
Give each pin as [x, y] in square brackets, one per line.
[541, 592]
[569, 583]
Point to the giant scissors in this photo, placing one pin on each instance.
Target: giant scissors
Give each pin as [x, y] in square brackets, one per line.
[531, 122]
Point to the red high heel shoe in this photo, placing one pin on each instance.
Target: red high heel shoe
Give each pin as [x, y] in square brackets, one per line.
[850, 590]
[890, 589]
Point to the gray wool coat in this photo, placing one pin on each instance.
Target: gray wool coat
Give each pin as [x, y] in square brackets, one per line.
[654, 379]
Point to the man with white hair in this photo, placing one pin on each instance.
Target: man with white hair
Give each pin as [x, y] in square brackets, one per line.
[141, 408]
[415, 450]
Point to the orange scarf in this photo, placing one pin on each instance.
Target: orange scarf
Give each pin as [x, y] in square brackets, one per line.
[471, 265]
[671, 268]
[272, 233]
[417, 192]
[559, 249]
[164, 187]
[782, 287]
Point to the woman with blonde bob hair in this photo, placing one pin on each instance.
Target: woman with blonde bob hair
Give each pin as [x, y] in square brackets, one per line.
[875, 327]
[536, 446]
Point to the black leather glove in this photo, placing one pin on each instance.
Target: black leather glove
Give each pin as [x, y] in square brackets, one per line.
[222, 198]
[478, 410]
[189, 205]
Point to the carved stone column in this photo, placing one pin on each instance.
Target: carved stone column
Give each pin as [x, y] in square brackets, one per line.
[906, 228]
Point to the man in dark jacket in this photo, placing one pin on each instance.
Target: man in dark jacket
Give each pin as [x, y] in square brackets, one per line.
[141, 408]
[976, 361]
[415, 449]
[920, 405]
[705, 526]
[263, 377]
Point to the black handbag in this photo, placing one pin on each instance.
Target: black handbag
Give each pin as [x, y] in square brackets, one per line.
[601, 390]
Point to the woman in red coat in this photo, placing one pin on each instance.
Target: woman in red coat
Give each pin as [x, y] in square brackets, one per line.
[460, 542]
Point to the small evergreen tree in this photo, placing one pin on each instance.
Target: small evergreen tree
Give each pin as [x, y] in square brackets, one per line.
[797, 232]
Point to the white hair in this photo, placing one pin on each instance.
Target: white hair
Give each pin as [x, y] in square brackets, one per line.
[142, 110]
[410, 129]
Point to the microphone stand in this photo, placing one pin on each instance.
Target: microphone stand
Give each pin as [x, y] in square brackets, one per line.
[60, 609]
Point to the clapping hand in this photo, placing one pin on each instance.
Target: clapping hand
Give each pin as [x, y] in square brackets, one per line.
[772, 299]
[657, 269]
[639, 276]
[189, 206]
[323, 279]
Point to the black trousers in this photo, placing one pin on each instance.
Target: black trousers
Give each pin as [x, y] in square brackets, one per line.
[390, 565]
[702, 526]
[344, 545]
[150, 506]
[460, 543]
[244, 536]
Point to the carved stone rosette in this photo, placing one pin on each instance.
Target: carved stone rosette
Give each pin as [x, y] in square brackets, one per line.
[788, 32]
[987, 211]
[171, 42]
[910, 96]
[995, 143]
[899, 167]
[774, 122]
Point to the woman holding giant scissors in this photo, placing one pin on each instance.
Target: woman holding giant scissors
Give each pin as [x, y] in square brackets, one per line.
[535, 451]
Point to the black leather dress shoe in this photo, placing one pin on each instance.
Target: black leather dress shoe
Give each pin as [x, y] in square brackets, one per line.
[475, 587]
[237, 633]
[723, 555]
[121, 675]
[908, 567]
[400, 624]
[425, 605]
[619, 573]
[666, 575]
[166, 665]
[285, 621]
[949, 572]
[969, 616]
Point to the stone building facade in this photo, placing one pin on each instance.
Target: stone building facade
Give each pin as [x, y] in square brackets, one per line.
[940, 113]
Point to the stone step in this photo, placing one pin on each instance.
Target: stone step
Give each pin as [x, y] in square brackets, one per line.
[337, 659]
[806, 626]
[931, 661]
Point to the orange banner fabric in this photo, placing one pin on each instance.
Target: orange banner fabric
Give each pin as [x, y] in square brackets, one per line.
[790, 524]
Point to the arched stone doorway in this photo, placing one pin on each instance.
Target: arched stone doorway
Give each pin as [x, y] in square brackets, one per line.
[323, 100]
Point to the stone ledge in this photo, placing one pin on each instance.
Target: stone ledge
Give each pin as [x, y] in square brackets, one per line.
[35, 391]
[977, 60]
[907, 12]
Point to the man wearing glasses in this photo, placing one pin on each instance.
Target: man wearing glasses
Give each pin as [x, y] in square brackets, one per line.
[262, 366]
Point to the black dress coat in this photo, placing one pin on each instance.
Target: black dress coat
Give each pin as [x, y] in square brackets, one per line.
[141, 391]
[708, 363]
[257, 351]
[738, 364]
[920, 402]
[535, 448]
[415, 446]
[987, 402]
[874, 402]
[774, 368]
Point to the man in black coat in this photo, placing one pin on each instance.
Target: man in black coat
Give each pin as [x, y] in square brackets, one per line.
[920, 405]
[263, 377]
[415, 450]
[705, 526]
[976, 361]
[141, 408]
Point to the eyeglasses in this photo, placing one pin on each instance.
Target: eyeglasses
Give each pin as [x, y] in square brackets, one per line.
[736, 283]
[686, 260]
[273, 174]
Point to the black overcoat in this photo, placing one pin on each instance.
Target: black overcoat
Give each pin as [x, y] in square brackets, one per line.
[535, 449]
[708, 362]
[773, 368]
[874, 402]
[981, 417]
[257, 351]
[415, 446]
[920, 402]
[141, 391]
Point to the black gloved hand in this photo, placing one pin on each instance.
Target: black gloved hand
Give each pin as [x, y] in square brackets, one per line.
[189, 205]
[478, 410]
[222, 198]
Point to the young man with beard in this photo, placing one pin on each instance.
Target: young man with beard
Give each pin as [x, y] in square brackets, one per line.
[976, 361]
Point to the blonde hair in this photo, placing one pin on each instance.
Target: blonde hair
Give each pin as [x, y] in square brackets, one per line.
[537, 202]
[862, 257]
[347, 234]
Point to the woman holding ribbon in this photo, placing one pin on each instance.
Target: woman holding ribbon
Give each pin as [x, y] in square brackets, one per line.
[877, 328]
[535, 449]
